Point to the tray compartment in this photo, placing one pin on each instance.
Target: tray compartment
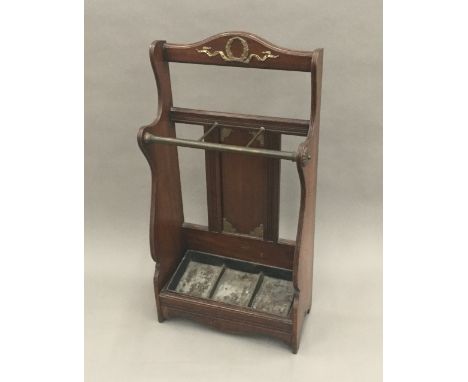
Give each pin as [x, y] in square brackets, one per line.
[198, 279]
[274, 296]
[234, 282]
[236, 287]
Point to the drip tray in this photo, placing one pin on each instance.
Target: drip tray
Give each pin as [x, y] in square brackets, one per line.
[234, 282]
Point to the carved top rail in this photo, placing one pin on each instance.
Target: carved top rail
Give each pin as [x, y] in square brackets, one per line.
[239, 49]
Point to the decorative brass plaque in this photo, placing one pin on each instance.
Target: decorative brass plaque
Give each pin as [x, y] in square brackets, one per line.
[228, 227]
[258, 231]
[260, 138]
[245, 57]
[225, 132]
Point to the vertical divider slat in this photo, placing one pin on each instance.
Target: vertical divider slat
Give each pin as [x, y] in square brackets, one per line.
[213, 182]
[215, 285]
[257, 287]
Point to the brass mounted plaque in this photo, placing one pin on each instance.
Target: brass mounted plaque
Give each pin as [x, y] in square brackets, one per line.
[245, 57]
[229, 228]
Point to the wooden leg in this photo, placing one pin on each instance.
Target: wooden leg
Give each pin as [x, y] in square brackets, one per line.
[161, 317]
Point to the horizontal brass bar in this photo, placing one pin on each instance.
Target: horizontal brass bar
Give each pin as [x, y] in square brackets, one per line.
[150, 138]
[287, 126]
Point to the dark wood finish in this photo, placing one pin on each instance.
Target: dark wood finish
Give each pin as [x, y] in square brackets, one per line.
[166, 216]
[227, 318]
[288, 126]
[280, 254]
[248, 187]
[242, 189]
[273, 173]
[213, 183]
[243, 192]
[286, 60]
[304, 255]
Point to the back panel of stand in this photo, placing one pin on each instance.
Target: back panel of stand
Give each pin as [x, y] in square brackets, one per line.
[243, 191]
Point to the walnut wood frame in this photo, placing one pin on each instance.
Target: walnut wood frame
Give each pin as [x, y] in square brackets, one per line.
[170, 236]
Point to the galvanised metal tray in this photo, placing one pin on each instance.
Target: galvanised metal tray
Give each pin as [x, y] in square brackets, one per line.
[234, 282]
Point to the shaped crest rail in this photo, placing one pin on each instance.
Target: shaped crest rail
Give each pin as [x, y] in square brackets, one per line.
[239, 49]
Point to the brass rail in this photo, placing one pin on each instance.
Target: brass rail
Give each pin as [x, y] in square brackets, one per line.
[288, 155]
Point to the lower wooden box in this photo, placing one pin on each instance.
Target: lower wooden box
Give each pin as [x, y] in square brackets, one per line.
[234, 282]
[230, 294]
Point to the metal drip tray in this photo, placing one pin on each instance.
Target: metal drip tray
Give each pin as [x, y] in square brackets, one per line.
[274, 296]
[236, 287]
[234, 282]
[198, 279]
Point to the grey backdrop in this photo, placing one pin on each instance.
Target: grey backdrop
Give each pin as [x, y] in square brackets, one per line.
[342, 337]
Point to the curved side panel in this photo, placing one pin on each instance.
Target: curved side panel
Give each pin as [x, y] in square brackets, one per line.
[307, 170]
[239, 49]
[166, 199]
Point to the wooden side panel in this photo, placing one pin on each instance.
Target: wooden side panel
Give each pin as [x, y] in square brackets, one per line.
[166, 199]
[304, 257]
[307, 170]
[239, 49]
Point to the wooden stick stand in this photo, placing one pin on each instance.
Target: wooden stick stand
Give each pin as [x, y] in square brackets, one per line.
[235, 274]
